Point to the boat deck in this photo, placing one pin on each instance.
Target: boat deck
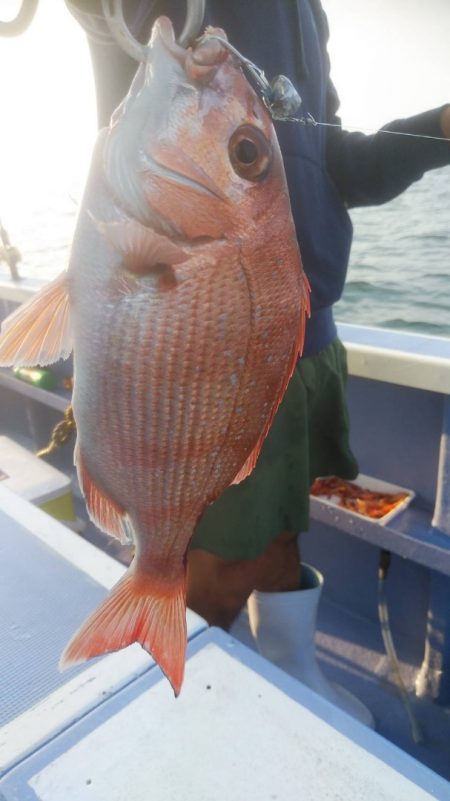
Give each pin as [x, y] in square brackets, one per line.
[351, 652]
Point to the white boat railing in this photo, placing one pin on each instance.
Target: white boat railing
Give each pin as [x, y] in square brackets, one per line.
[398, 357]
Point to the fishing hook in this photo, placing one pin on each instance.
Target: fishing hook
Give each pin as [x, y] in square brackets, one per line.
[112, 10]
[279, 95]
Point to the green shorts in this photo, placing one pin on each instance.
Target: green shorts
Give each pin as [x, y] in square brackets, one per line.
[309, 438]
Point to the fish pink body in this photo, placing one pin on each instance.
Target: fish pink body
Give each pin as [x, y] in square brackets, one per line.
[185, 302]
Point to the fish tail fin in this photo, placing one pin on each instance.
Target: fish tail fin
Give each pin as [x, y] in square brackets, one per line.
[137, 610]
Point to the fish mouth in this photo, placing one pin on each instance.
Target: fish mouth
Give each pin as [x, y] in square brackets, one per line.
[163, 31]
[199, 64]
[134, 154]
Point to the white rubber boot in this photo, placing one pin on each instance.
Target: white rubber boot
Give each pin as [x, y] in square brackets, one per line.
[283, 625]
[240, 630]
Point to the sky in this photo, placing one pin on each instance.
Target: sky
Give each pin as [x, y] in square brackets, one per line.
[47, 105]
[389, 58]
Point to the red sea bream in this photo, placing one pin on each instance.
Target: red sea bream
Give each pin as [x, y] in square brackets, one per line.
[185, 305]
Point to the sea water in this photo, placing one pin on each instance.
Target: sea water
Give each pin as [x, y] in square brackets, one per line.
[399, 272]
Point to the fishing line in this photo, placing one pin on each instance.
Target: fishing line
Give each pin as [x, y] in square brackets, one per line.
[309, 120]
[282, 99]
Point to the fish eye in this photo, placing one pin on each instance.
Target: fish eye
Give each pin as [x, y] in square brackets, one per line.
[250, 153]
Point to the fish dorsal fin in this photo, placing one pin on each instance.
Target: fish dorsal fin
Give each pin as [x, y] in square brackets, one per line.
[250, 463]
[103, 511]
[141, 248]
[39, 331]
[305, 310]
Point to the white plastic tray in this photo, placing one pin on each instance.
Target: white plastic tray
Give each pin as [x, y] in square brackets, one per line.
[377, 485]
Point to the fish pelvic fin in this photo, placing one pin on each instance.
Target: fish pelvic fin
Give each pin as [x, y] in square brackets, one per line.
[137, 610]
[38, 332]
[103, 511]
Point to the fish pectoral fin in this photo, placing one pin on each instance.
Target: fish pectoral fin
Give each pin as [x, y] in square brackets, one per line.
[38, 332]
[142, 249]
[136, 611]
[103, 511]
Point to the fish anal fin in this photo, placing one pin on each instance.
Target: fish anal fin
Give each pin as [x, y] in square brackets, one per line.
[137, 610]
[39, 331]
[103, 511]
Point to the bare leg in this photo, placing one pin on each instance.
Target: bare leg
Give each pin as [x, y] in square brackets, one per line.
[217, 588]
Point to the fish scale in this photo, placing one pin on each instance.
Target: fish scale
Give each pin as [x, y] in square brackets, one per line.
[134, 402]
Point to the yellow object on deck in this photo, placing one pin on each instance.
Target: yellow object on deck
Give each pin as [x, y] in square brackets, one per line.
[36, 481]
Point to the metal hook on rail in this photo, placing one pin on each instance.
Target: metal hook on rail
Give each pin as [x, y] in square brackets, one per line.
[9, 253]
[21, 21]
[112, 10]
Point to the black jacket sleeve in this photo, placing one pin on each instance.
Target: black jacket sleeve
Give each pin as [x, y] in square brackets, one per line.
[372, 169]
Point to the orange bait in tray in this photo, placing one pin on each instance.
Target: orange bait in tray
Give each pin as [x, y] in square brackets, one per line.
[357, 499]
